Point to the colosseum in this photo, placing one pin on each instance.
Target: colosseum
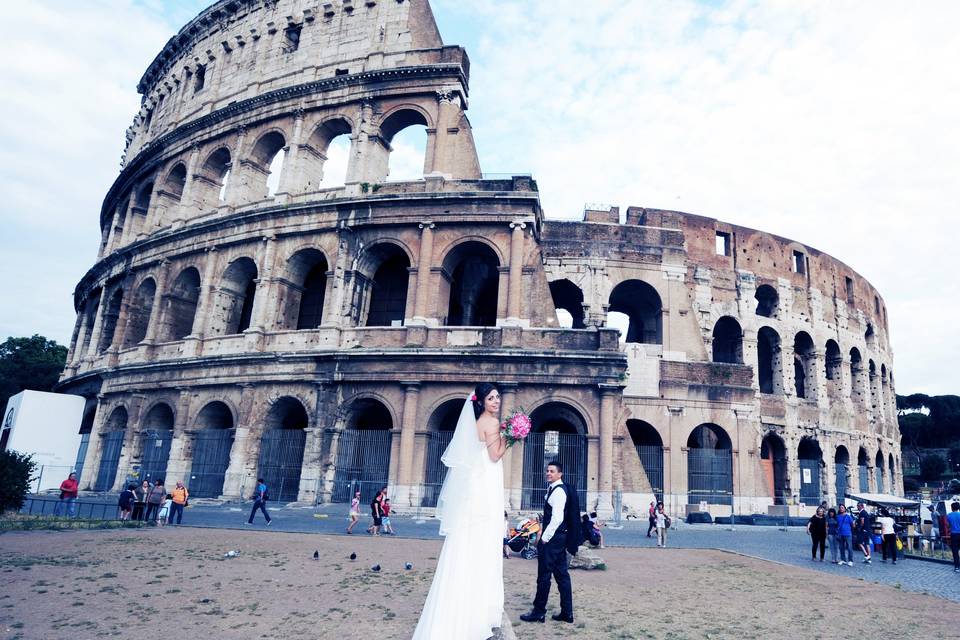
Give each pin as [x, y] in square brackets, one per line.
[246, 318]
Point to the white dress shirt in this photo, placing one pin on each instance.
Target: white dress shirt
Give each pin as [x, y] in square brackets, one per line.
[557, 502]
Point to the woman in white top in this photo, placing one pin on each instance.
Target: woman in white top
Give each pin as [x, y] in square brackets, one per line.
[354, 512]
[663, 521]
[889, 534]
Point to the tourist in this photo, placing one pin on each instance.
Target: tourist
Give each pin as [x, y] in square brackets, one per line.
[387, 527]
[817, 528]
[164, 512]
[140, 504]
[354, 512]
[127, 499]
[864, 532]
[69, 489]
[652, 517]
[376, 510]
[180, 497]
[154, 501]
[506, 536]
[663, 522]
[889, 535]
[597, 525]
[845, 535]
[260, 497]
[832, 534]
[953, 520]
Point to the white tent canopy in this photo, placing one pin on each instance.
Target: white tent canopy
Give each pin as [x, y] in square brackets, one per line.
[884, 500]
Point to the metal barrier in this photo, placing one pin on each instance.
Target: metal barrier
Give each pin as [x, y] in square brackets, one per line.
[79, 510]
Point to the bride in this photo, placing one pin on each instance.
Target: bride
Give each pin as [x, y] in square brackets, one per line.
[466, 597]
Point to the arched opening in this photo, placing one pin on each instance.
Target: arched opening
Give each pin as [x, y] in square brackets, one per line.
[833, 363]
[884, 387]
[281, 448]
[841, 462]
[769, 361]
[874, 385]
[559, 433]
[863, 470]
[267, 159]
[569, 298]
[405, 134]
[86, 429]
[303, 291]
[471, 280]
[773, 463]
[111, 445]
[210, 184]
[141, 307]
[649, 445]
[110, 321]
[141, 206]
[382, 281]
[327, 165]
[709, 466]
[727, 341]
[804, 373]
[869, 336]
[441, 426]
[181, 303]
[156, 430]
[175, 181]
[809, 456]
[233, 307]
[891, 470]
[212, 442]
[641, 304]
[879, 465]
[767, 301]
[363, 451]
[857, 392]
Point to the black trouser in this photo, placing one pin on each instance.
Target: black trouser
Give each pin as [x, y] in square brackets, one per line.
[552, 561]
[153, 510]
[819, 540]
[175, 510]
[653, 525]
[262, 505]
[955, 549]
[889, 544]
[137, 511]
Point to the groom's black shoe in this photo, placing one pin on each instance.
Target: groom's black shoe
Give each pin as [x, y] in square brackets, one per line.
[533, 617]
[563, 617]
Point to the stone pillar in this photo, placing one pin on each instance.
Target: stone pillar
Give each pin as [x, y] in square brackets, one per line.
[515, 293]
[207, 289]
[405, 491]
[112, 232]
[290, 178]
[421, 296]
[185, 207]
[264, 297]
[73, 357]
[235, 184]
[608, 397]
[131, 454]
[121, 327]
[241, 473]
[91, 462]
[180, 461]
[126, 233]
[393, 475]
[512, 478]
[97, 325]
[156, 312]
[310, 474]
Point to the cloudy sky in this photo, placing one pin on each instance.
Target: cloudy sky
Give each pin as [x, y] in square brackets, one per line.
[833, 123]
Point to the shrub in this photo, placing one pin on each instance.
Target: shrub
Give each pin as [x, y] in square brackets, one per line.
[16, 471]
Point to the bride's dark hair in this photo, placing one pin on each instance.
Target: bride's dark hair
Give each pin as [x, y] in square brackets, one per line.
[482, 391]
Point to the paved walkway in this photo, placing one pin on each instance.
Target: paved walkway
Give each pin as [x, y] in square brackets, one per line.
[790, 546]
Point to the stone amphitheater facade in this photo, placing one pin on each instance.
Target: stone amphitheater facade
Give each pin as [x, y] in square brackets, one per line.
[322, 337]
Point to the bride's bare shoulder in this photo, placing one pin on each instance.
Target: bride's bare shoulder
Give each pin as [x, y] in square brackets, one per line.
[487, 424]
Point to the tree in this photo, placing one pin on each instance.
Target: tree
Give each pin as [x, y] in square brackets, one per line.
[932, 467]
[29, 363]
[16, 471]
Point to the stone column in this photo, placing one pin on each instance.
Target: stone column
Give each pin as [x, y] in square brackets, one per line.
[77, 344]
[121, 327]
[91, 462]
[234, 189]
[608, 396]
[515, 293]
[405, 491]
[207, 288]
[132, 452]
[310, 474]
[186, 206]
[241, 473]
[290, 180]
[97, 325]
[264, 297]
[180, 460]
[156, 312]
[513, 461]
[422, 292]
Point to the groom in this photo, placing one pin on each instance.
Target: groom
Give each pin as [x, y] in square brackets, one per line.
[561, 533]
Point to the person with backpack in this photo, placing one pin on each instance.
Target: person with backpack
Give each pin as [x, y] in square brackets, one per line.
[260, 497]
[864, 532]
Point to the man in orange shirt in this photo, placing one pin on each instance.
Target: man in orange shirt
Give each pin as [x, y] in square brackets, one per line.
[180, 496]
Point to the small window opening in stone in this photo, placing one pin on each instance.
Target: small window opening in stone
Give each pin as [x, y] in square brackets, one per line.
[199, 77]
[799, 265]
[341, 72]
[849, 283]
[876, 305]
[292, 38]
[723, 243]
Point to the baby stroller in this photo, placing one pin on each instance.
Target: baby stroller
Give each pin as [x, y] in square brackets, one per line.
[523, 538]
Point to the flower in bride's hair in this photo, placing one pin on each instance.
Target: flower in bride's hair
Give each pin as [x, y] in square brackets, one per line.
[473, 398]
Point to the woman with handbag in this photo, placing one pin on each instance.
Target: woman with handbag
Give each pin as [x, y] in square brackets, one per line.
[663, 523]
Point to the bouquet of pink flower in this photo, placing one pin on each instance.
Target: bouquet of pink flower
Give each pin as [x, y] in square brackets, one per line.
[516, 427]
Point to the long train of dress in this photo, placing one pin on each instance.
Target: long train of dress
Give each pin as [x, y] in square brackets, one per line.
[466, 598]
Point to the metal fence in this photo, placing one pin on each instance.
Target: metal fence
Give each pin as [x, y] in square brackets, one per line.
[538, 450]
[651, 458]
[156, 454]
[112, 445]
[363, 460]
[281, 459]
[710, 476]
[211, 457]
[809, 481]
[80, 509]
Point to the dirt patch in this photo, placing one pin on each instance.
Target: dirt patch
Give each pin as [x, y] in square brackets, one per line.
[175, 582]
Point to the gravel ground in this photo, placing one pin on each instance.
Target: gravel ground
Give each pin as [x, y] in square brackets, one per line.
[175, 582]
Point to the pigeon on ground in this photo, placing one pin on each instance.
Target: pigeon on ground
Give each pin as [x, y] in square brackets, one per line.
[316, 555]
[408, 566]
[353, 556]
[375, 568]
[231, 554]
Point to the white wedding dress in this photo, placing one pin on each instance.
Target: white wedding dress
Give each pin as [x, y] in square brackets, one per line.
[466, 598]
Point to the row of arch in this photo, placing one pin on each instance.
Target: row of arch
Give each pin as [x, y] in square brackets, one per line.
[225, 174]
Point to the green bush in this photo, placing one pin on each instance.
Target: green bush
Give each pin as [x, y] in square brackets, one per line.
[16, 471]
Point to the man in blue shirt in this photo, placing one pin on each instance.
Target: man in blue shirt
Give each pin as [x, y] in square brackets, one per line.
[259, 501]
[953, 519]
